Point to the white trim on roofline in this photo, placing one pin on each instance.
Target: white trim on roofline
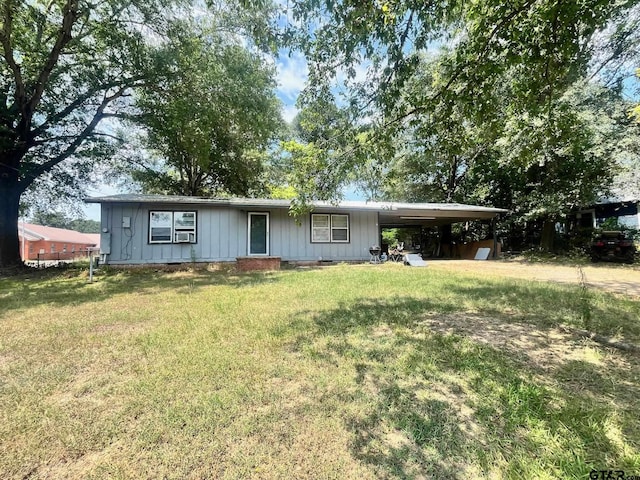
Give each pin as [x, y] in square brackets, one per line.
[270, 203]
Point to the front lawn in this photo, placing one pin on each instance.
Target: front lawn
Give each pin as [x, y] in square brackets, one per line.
[342, 372]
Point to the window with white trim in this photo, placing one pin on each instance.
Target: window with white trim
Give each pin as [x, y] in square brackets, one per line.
[326, 228]
[184, 227]
[172, 227]
[339, 228]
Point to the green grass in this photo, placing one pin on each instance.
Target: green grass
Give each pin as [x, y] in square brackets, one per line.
[343, 372]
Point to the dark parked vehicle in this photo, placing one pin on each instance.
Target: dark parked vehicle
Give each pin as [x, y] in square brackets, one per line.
[613, 245]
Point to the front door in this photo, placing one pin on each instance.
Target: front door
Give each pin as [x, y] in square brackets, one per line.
[258, 243]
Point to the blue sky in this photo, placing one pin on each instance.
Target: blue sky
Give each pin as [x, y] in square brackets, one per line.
[292, 75]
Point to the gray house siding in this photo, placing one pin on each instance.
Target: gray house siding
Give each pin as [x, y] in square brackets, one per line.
[293, 242]
[221, 234]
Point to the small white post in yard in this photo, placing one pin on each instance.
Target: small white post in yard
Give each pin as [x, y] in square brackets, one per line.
[90, 251]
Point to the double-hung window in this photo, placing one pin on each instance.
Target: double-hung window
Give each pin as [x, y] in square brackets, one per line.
[339, 228]
[329, 228]
[172, 227]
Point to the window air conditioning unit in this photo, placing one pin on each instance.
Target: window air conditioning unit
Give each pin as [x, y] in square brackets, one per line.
[183, 237]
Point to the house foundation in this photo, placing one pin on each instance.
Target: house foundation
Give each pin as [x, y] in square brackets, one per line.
[249, 264]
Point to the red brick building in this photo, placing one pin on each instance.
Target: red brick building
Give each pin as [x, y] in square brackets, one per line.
[49, 243]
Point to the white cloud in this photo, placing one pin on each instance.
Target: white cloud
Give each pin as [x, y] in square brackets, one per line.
[292, 76]
[289, 112]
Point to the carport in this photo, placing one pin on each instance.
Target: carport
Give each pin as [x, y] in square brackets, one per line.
[426, 215]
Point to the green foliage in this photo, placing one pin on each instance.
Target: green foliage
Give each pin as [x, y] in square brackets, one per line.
[435, 154]
[211, 119]
[60, 220]
[68, 73]
[544, 44]
[50, 219]
[574, 155]
[67, 70]
[614, 224]
[314, 173]
[69, 67]
[314, 160]
[282, 193]
[390, 236]
[513, 104]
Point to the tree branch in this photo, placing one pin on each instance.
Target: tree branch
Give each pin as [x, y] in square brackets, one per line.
[5, 39]
[461, 66]
[68, 109]
[129, 83]
[107, 135]
[403, 39]
[64, 37]
[71, 137]
[38, 170]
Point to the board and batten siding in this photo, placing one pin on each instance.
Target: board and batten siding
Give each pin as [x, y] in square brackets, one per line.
[221, 234]
[293, 242]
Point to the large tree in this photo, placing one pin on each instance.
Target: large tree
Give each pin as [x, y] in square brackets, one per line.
[68, 70]
[437, 150]
[541, 47]
[67, 66]
[445, 87]
[208, 125]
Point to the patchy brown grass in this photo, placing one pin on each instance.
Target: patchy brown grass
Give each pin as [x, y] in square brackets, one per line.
[610, 277]
[345, 372]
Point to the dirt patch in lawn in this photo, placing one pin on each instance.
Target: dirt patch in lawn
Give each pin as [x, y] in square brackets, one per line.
[619, 279]
[552, 357]
[543, 349]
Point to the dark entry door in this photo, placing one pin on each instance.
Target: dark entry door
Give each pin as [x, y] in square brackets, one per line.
[258, 234]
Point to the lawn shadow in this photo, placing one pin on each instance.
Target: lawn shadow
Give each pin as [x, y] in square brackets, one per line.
[446, 405]
[406, 435]
[71, 287]
[548, 305]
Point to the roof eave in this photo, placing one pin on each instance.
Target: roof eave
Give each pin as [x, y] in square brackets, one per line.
[427, 209]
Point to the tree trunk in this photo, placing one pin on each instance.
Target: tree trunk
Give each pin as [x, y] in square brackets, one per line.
[548, 235]
[9, 201]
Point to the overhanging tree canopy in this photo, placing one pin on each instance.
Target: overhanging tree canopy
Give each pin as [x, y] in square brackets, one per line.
[540, 47]
[211, 120]
[497, 88]
[67, 66]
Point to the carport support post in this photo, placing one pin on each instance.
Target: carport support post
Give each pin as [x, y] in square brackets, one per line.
[495, 239]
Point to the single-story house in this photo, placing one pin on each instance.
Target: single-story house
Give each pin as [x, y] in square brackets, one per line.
[144, 229]
[38, 242]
